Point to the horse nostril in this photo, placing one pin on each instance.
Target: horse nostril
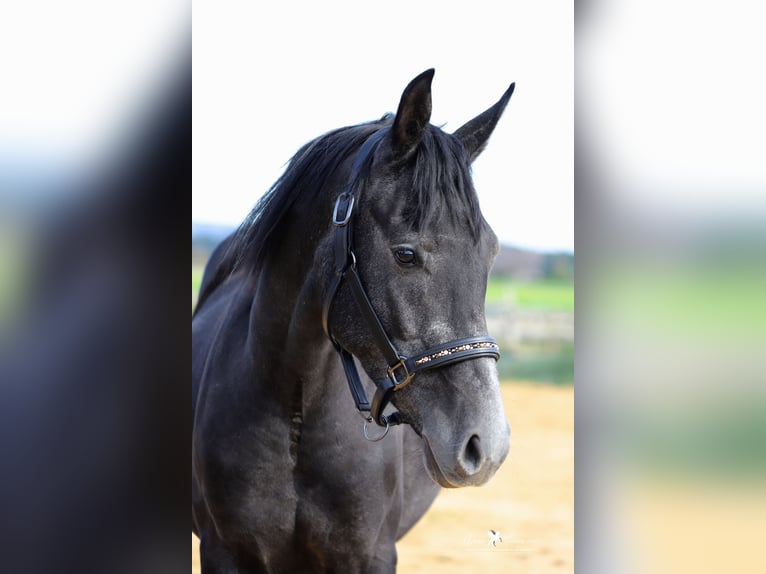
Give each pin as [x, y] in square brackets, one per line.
[471, 458]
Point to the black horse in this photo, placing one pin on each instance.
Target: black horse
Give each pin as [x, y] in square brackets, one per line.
[371, 245]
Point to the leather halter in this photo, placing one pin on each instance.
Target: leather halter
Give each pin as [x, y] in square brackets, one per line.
[401, 369]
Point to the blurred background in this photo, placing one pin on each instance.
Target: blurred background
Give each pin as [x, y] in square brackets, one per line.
[95, 174]
[670, 188]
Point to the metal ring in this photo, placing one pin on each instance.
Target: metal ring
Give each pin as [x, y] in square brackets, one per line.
[375, 439]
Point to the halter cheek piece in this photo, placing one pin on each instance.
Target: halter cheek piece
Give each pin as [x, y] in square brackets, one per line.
[401, 369]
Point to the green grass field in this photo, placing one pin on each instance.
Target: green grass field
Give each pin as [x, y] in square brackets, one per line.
[197, 271]
[543, 294]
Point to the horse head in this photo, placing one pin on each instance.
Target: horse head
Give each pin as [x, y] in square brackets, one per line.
[423, 251]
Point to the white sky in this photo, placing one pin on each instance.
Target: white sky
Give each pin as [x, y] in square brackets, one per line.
[270, 76]
[73, 73]
[674, 108]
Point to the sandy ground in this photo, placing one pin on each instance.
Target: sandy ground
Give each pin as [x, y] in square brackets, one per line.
[529, 502]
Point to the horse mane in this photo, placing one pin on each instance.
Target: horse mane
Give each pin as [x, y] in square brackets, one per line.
[441, 168]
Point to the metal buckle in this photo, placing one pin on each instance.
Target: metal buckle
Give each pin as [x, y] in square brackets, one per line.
[392, 374]
[336, 219]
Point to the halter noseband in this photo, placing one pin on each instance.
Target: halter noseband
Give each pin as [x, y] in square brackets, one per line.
[401, 369]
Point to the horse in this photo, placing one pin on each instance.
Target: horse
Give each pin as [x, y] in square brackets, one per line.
[367, 261]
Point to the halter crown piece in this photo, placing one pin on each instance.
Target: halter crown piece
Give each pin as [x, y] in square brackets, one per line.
[401, 369]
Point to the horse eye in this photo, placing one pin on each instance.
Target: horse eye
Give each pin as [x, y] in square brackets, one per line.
[405, 255]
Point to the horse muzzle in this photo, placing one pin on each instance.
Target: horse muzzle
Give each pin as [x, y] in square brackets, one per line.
[469, 461]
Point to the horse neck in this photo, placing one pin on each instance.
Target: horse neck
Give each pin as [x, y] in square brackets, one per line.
[285, 317]
[285, 329]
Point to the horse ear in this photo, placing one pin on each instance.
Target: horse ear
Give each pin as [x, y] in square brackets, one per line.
[475, 134]
[413, 114]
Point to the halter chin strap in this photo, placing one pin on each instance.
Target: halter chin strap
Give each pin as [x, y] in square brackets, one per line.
[401, 369]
